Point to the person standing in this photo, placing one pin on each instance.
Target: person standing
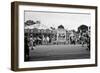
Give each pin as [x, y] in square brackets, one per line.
[26, 49]
[31, 43]
[47, 40]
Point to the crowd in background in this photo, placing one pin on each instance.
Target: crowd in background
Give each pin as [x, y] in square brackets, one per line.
[32, 40]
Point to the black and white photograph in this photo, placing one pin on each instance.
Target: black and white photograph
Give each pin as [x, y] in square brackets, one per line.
[52, 35]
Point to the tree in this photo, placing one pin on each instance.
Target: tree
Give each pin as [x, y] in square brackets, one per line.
[82, 28]
[38, 22]
[30, 22]
[60, 27]
[52, 28]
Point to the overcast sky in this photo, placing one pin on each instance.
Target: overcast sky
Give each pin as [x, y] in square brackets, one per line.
[69, 20]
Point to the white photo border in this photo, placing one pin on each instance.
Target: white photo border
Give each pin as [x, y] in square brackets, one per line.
[34, 64]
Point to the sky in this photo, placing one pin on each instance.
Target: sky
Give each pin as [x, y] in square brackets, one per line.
[70, 21]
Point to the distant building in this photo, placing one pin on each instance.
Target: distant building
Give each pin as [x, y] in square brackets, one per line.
[61, 34]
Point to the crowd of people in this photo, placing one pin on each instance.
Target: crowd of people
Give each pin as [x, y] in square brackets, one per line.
[31, 42]
[83, 39]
